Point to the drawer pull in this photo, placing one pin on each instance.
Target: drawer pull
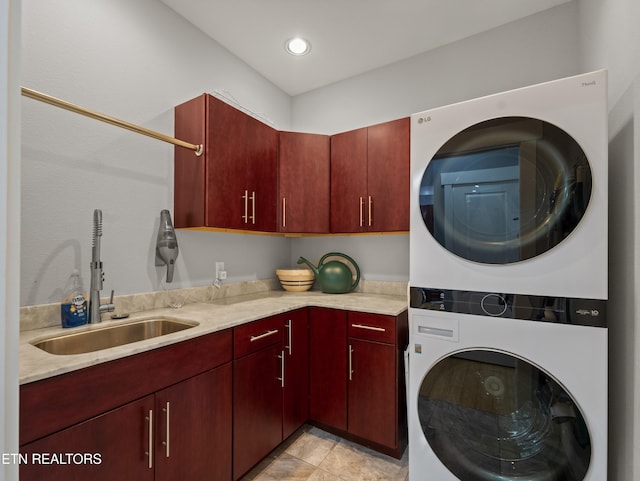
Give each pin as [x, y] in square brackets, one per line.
[262, 336]
[435, 331]
[369, 328]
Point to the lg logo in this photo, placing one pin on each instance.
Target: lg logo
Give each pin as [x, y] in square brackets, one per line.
[422, 120]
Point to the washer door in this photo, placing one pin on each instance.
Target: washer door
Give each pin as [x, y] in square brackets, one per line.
[505, 190]
[491, 416]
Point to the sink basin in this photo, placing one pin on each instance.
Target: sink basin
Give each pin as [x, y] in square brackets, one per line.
[106, 337]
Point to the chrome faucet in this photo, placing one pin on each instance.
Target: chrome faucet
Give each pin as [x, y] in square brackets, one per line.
[97, 276]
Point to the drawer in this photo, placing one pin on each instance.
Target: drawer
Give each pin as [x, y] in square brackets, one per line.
[255, 335]
[372, 327]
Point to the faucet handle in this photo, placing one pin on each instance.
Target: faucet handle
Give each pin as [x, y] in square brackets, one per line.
[108, 307]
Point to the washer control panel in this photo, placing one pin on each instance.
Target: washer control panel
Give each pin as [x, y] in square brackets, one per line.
[562, 310]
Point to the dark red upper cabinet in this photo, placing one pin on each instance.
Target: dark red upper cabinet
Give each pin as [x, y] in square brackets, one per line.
[370, 178]
[253, 177]
[234, 184]
[303, 183]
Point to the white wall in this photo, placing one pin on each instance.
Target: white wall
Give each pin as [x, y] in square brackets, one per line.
[135, 61]
[9, 229]
[610, 39]
[536, 49]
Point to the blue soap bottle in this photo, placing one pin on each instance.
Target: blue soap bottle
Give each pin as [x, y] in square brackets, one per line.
[73, 309]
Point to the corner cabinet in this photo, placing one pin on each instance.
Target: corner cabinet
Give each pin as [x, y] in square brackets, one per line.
[234, 183]
[253, 177]
[303, 183]
[370, 178]
[356, 375]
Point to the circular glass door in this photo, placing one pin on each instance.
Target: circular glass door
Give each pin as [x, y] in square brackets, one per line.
[505, 190]
[491, 416]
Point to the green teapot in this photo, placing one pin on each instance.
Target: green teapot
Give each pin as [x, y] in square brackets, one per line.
[334, 276]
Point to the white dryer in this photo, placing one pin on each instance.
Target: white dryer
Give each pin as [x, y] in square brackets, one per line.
[509, 192]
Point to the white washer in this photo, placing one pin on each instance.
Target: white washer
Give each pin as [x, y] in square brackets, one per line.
[506, 399]
[509, 192]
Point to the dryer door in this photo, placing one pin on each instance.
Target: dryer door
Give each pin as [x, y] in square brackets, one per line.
[505, 190]
[491, 416]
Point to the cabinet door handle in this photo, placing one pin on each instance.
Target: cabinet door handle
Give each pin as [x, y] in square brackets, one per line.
[281, 378]
[149, 453]
[350, 362]
[284, 212]
[167, 411]
[288, 346]
[245, 217]
[370, 204]
[370, 328]
[253, 207]
[262, 336]
[361, 211]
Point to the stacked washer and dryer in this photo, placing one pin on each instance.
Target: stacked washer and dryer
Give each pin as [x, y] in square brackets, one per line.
[508, 286]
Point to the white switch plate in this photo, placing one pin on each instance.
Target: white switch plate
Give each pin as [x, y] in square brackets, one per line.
[221, 274]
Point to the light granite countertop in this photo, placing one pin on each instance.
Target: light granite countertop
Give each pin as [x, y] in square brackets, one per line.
[212, 316]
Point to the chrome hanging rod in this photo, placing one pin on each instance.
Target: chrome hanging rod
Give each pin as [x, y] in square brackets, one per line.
[32, 94]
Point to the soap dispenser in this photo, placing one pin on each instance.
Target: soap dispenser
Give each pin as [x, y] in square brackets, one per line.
[167, 244]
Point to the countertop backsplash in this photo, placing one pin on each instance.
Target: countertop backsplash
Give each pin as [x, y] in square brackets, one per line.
[48, 315]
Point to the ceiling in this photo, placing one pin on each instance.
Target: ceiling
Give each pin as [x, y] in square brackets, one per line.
[348, 37]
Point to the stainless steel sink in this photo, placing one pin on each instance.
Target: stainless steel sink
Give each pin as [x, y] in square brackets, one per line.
[112, 336]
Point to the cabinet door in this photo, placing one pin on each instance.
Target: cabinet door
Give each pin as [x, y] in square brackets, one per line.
[193, 434]
[303, 183]
[295, 407]
[373, 391]
[261, 144]
[328, 367]
[112, 446]
[349, 181]
[257, 407]
[388, 178]
[227, 160]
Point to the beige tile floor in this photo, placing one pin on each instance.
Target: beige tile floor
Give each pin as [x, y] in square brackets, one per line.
[314, 455]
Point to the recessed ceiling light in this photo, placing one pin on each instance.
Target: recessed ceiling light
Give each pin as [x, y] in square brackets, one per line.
[297, 46]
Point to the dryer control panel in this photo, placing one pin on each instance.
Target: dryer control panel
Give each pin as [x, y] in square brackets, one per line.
[562, 310]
